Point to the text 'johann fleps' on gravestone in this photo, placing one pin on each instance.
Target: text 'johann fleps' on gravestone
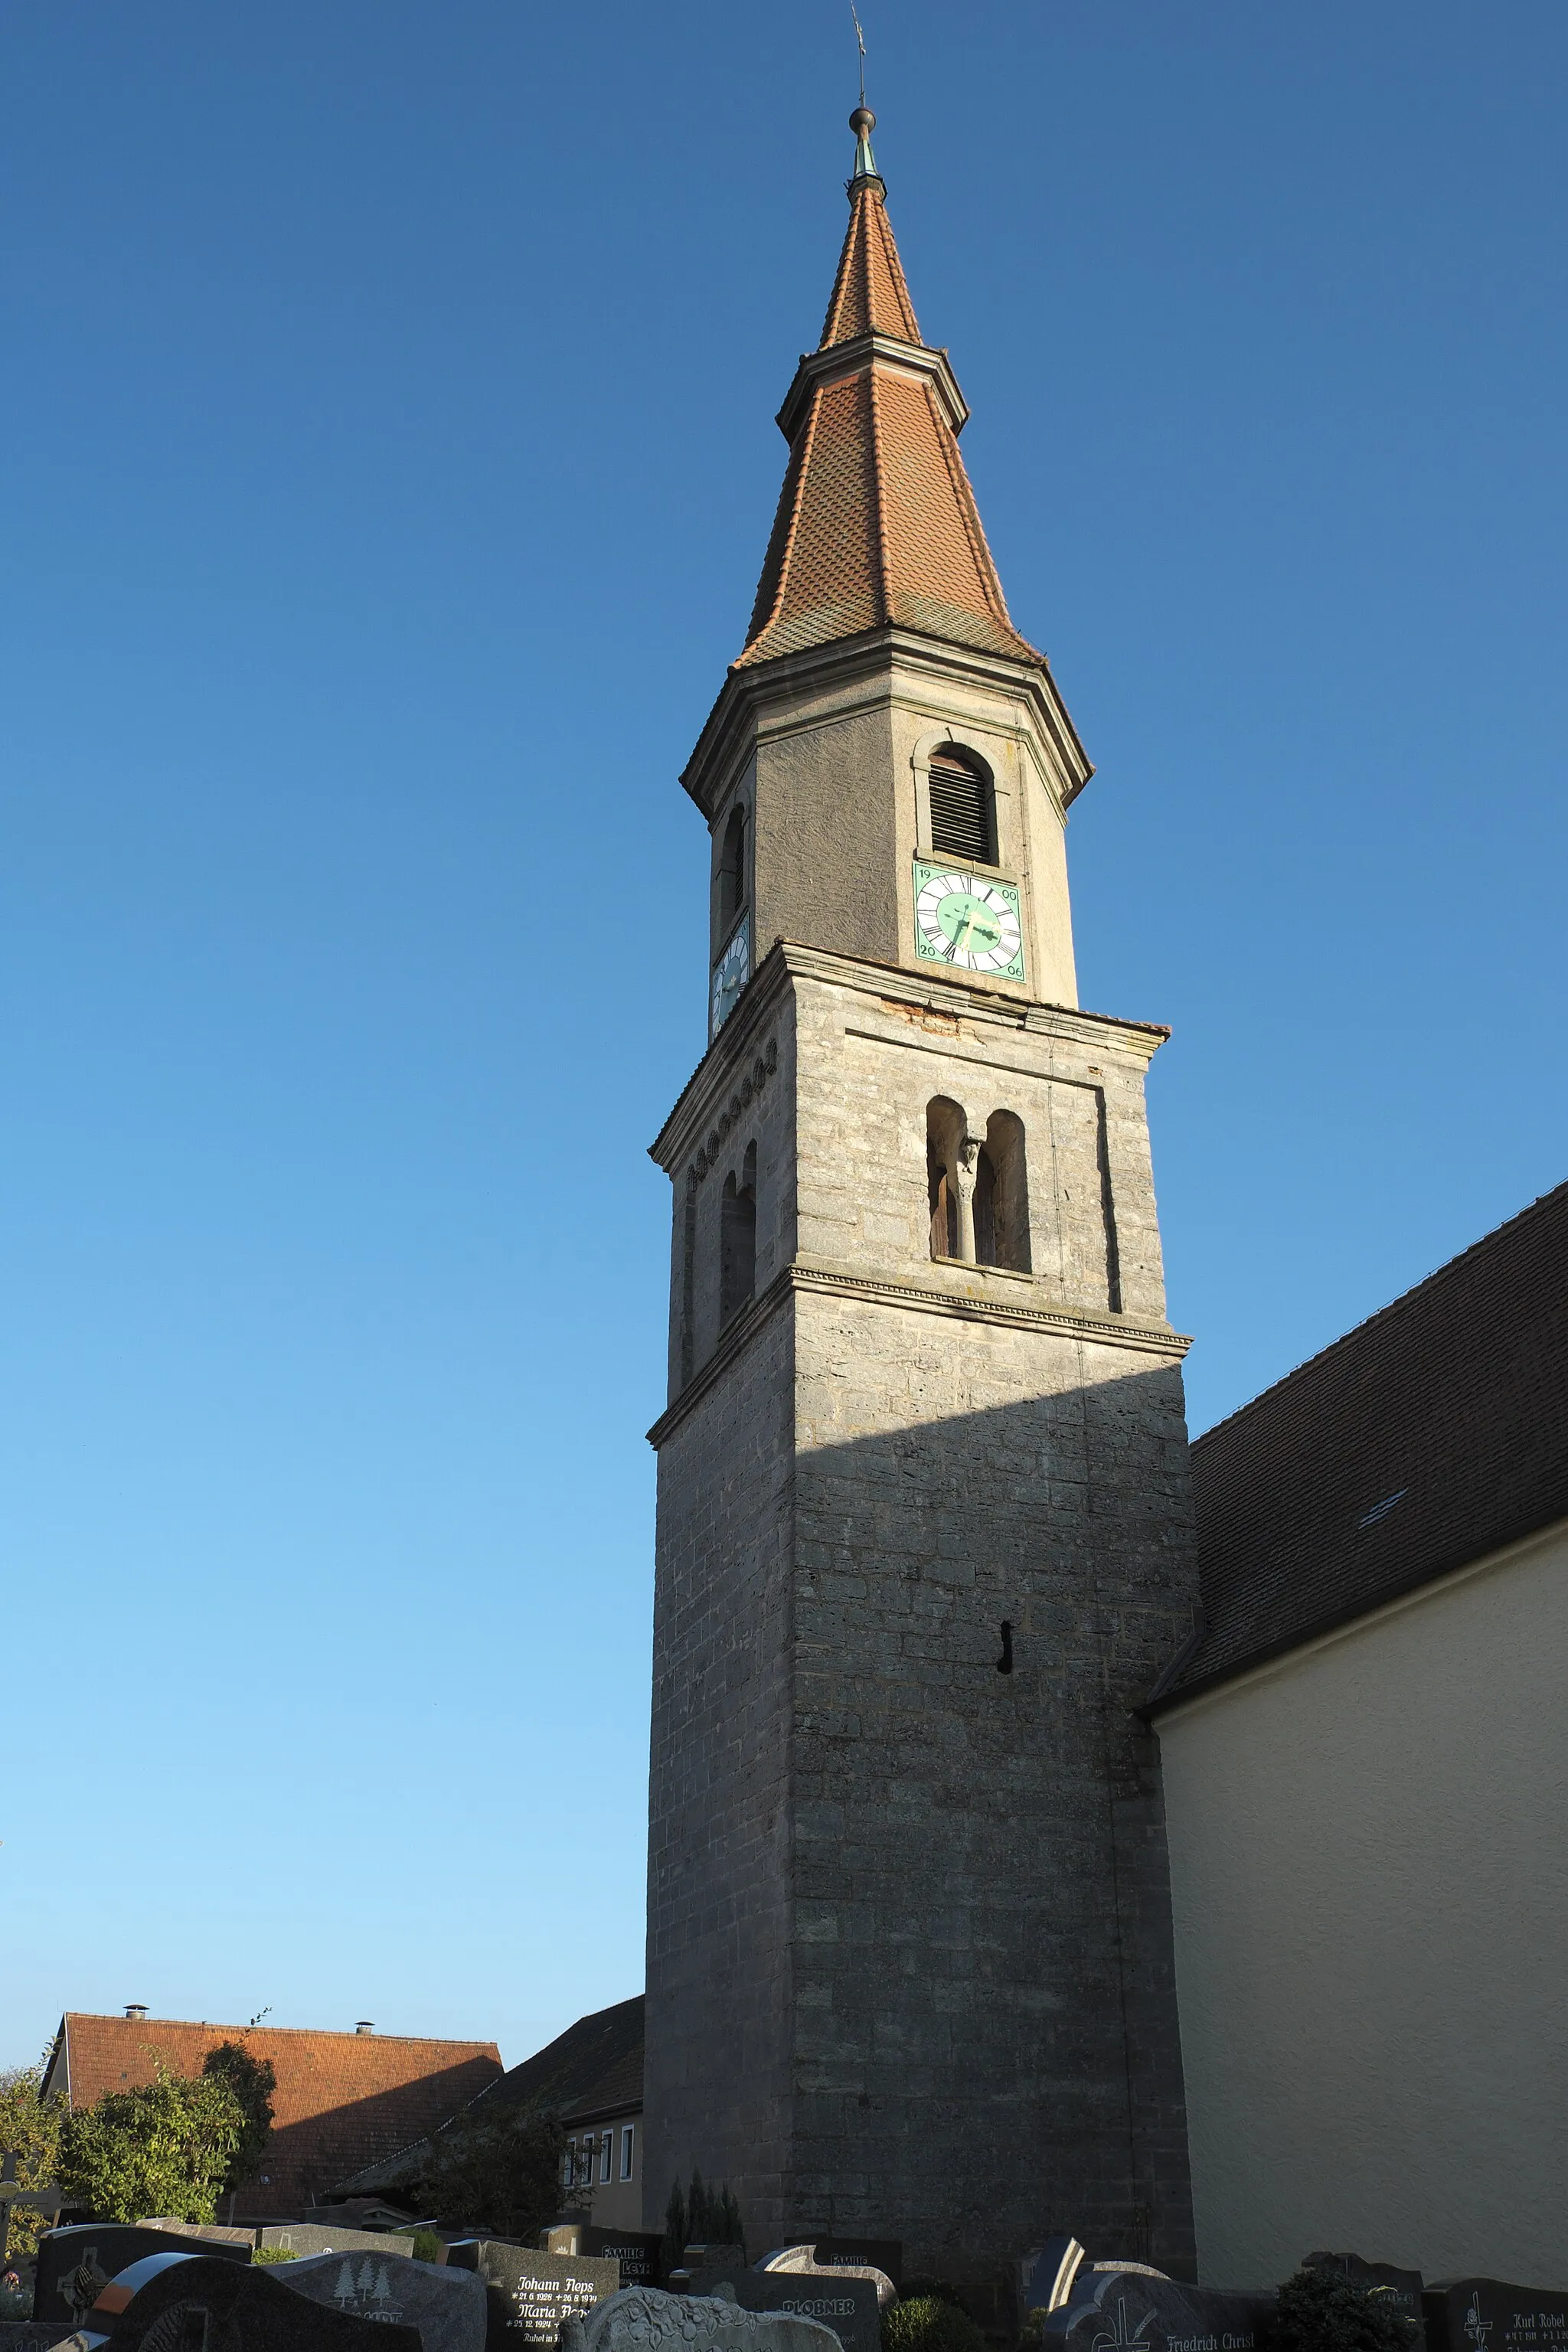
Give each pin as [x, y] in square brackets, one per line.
[448, 2306]
[529, 2295]
[1134, 2311]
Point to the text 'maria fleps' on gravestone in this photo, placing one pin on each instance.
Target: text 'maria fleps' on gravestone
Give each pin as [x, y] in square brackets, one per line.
[77, 2262]
[1134, 2310]
[186, 2302]
[1487, 2315]
[448, 2306]
[1403, 2289]
[847, 2306]
[529, 2295]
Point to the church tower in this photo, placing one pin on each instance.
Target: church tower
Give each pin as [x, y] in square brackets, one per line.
[924, 1531]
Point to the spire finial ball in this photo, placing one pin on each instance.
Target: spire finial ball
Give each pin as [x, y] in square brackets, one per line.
[862, 122]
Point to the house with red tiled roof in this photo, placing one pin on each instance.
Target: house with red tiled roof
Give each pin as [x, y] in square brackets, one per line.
[1365, 1760]
[342, 2101]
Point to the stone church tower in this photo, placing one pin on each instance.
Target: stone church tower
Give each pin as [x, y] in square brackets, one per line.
[923, 1517]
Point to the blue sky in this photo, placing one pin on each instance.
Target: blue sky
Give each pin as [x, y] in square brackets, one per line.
[388, 404]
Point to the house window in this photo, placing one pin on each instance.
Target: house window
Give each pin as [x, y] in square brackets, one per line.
[963, 808]
[606, 2142]
[568, 2164]
[628, 2132]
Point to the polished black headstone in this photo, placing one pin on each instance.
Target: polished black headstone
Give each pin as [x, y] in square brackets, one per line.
[198, 2303]
[448, 2306]
[1487, 2315]
[75, 2263]
[886, 2254]
[33, 2335]
[1133, 2311]
[847, 2306]
[529, 2295]
[1402, 2288]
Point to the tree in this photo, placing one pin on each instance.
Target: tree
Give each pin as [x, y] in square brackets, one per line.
[166, 2147]
[1323, 2311]
[253, 2082]
[700, 2216]
[30, 2125]
[501, 2172]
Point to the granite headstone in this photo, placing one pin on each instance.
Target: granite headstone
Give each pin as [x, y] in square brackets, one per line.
[641, 2253]
[1133, 2307]
[1402, 2288]
[802, 2261]
[183, 2303]
[640, 2319]
[448, 2306]
[846, 2306]
[1487, 2315]
[529, 2295]
[877, 2253]
[32, 2335]
[304, 2238]
[1045, 2277]
[76, 2263]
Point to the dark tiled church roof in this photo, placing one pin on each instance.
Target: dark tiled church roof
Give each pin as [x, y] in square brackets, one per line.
[1427, 1437]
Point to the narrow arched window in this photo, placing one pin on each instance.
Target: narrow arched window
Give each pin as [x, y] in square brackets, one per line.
[732, 870]
[738, 1238]
[1001, 1195]
[962, 812]
[944, 1132]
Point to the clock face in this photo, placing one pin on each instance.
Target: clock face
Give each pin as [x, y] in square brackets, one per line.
[730, 974]
[967, 921]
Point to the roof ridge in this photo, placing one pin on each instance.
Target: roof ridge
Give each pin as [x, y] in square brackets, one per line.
[1390, 1307]
[317, 2033]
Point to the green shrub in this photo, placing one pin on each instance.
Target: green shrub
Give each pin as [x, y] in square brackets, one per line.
[929, 2322]
[274, 2254]
[426, 2246]
[1323, 2311]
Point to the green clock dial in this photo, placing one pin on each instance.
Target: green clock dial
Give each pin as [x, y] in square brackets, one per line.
[968, 921]
[730, 974]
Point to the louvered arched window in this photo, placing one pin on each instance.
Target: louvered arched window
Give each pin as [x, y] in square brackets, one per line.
[963, 815]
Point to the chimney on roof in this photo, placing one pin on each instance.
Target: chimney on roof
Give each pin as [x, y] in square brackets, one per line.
[135, 2008]
[363, 2025]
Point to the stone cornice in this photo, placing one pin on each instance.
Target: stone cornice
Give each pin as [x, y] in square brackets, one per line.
[726, 1062]
[853, 357]
[736, 720]
[1016, 1313]
[896, 983]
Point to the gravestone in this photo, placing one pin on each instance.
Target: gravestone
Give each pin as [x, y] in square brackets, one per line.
[1131, 2306]
[448, 2306]
[183, 2302]
[640, 2319]
[529, 2295]
[1486, 2315]
[75, 2263]
[801, 2261]
[33, 2335]
[304, 2238]
[1045, 2277]
[639, 2253]
[1402, 2288]
[846, 2306]
[209, 2232]
[877, 2253]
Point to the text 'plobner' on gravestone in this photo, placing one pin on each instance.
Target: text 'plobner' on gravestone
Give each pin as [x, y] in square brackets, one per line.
[1132, 2311]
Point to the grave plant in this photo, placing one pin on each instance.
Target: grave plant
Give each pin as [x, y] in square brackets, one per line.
[1323, 2311]
[700, 2216]
[928, 2322]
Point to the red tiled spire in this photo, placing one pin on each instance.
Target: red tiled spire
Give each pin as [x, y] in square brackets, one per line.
[877, 522]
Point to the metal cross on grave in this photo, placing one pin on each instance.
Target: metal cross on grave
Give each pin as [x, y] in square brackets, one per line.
[46, 2199]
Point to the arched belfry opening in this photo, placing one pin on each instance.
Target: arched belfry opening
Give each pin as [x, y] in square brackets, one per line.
[738, 1238]
[962, 807]
[978, 1191]
[730, 881]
